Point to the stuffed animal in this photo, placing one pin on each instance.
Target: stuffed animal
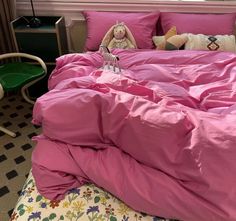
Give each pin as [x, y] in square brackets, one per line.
[109, 59]
[119, 36]
[170, 41]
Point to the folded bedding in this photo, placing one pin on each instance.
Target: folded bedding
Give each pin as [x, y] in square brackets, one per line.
[160, 135]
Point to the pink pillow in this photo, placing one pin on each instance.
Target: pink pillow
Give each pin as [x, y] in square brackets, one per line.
[142, 26]
[207, 24]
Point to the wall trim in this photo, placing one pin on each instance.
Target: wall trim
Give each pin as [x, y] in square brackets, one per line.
[55, 7]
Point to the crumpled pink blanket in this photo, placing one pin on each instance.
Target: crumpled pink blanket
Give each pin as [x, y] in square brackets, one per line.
[161, 136]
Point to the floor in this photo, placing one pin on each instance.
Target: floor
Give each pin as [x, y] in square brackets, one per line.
[15, 153]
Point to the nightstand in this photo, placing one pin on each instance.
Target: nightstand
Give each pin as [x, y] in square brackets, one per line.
[47, 41]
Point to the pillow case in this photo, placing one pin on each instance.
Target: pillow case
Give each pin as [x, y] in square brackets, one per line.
[142, 26]
[211, 43]
[207, 24]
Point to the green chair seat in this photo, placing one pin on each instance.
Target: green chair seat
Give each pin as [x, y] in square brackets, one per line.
[15, 75]
[20, 75]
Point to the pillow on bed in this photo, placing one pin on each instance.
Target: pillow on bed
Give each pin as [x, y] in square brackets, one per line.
[142, 25]
[169, 41]
[210, 43]
[207, 24]
[160, 41]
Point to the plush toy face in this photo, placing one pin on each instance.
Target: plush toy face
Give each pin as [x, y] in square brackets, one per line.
[119, 32]
[119, 36]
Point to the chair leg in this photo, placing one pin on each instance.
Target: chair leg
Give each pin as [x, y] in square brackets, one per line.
[8, 132]
[1, 92]
[23, 92]
[25, 87]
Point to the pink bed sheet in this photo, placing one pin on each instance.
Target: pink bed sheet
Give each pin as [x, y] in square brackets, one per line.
[160, 136]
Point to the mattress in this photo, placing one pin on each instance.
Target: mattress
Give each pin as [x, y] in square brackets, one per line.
[87, 203]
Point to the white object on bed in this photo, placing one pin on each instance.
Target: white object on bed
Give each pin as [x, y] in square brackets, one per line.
[210, 43]
[109, 60]
[115, 69]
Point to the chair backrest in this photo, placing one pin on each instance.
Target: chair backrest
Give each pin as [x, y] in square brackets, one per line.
[24, 55]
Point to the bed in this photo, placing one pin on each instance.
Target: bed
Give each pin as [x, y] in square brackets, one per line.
[158, 137]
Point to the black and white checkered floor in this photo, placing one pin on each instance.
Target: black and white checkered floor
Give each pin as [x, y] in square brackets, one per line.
[15, 153]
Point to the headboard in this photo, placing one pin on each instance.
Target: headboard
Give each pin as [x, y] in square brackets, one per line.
[76, 35]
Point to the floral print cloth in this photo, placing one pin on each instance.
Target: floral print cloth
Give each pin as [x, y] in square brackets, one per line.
[87, 203]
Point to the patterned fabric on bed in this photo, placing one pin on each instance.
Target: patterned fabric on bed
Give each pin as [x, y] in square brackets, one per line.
[87, 203]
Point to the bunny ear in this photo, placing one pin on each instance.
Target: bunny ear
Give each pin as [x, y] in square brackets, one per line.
[130, 36]
[108, 36]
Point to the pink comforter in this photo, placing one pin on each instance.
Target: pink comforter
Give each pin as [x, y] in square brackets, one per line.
[161, 136]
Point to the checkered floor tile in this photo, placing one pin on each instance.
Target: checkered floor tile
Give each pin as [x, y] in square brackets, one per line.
[15, 153]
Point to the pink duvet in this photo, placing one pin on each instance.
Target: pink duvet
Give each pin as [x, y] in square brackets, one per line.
[161, 136]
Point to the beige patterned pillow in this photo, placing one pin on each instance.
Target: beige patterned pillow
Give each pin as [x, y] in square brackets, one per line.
[211, 43]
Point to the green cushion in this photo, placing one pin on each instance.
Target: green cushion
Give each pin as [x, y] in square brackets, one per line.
[15, 75]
